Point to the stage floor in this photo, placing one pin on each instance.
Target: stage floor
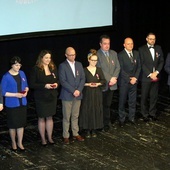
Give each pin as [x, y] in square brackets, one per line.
[142, 147]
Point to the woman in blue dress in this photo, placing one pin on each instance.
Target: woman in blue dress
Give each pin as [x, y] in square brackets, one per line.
[15, 89]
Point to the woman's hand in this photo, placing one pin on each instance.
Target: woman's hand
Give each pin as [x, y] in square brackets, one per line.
[54, 85]
[19, 95]
[51, 86]
[1, 106]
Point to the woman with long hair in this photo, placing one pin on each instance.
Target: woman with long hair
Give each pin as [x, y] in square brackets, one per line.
[44, 82]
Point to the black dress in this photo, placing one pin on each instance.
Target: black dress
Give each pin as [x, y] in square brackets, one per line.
[91, 110]
[45, 99]
[17, 116]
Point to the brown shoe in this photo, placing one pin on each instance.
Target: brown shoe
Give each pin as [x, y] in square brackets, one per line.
[78, 138]
[66, 141]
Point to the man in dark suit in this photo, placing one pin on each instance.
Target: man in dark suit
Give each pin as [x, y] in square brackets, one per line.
[167, 69]
[130, 69]
[152, 63]
[108, 62]
[72, 79]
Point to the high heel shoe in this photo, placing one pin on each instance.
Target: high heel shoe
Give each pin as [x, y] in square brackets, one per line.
[51, 142]
[13, 150]
[44, 144]
[21, 149]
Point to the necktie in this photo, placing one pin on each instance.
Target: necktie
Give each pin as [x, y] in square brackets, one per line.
[131, 57]
[107, 56]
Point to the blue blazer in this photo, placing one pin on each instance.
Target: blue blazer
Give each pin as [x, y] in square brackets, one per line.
[9, 84]
[69, 82]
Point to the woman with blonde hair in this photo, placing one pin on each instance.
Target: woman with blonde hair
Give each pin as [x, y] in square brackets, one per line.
[91, 112]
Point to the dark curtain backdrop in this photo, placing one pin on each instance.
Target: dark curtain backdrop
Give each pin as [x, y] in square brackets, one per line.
[133, 18]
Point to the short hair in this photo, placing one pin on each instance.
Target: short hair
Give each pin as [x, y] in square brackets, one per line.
[150, 33]
[15, 60]
[104, 36]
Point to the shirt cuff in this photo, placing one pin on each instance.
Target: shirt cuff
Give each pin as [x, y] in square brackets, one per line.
[149, 75]
[157, 71]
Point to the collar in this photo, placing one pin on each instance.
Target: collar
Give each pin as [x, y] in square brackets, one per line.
[70, 62]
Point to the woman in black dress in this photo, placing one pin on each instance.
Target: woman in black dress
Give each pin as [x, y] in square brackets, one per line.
[44, 82]
[91, 112]
[15, 89]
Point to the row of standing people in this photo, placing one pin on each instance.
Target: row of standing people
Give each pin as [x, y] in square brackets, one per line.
[96, 82]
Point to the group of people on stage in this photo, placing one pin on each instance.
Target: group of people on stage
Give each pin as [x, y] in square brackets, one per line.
[86, 93]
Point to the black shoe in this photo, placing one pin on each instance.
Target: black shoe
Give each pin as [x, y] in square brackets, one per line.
[106, 128]
[21, 150]
[51, 143]
[153, 118]
[93, 134]
[146, 119]
[88, 134]
[13, 150]
[44, 144]
[133, 122]
[121, 124]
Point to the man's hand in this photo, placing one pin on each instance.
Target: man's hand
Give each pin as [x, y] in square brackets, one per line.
[113, 81]
[76, 93]
[133, 80]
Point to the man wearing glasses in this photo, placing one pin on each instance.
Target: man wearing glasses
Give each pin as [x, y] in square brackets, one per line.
[72, 79]
[152, 63]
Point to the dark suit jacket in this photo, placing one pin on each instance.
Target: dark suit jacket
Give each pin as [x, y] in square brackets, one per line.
[148, 64]
[167, 67]
[109, 70]
[127, 68]
[38, 82]
[69, 82]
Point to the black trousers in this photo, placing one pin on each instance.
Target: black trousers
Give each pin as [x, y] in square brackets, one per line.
[107, 101]
[127, 92]
[149, 97]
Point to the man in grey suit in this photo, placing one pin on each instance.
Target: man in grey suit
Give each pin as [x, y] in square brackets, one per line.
[108, 62]
[72, 79]
[129, 73]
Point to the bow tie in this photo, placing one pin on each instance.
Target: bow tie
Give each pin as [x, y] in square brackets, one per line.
[151, 47]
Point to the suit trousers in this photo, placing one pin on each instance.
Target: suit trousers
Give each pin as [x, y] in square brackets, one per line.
[127, 91]
[149, 97]
[70, 111]
[107, 101]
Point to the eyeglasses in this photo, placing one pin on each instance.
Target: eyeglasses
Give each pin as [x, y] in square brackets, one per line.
[71, 55]
[152, 39]
[94, 60]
